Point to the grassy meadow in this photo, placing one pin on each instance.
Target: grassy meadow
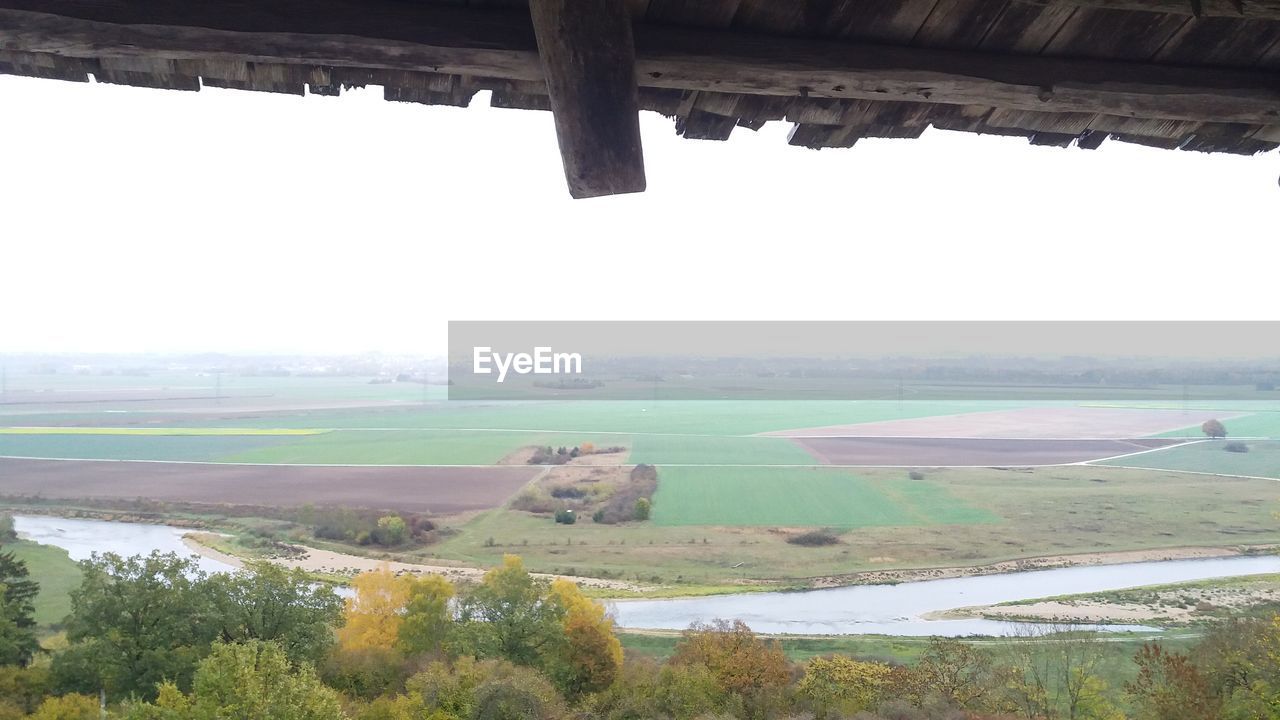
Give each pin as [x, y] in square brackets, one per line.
[57, 574]
[953, 518]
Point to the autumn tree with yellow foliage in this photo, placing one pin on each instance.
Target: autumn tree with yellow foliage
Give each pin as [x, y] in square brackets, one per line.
[840, 686]
[376, 611]
[589, 657]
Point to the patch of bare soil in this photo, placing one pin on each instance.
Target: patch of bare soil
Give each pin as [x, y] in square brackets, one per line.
[970, 452]
[406, 489]
[1043, 423]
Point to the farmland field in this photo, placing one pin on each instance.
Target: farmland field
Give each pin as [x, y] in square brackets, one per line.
[427, 489]
[940, 452]
[1259, 424]
[735, 478]
[1262, 460]
[994, 515]
[798, 497]
[710, 450]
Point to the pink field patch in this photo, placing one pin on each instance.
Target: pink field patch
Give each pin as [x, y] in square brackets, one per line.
[1064, 423]
[969, 452]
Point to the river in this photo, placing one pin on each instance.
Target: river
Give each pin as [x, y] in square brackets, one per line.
[863, 609]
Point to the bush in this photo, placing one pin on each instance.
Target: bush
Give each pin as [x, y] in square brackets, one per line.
[1236, 447]
[548, 456]
[621, 505]
[566, 492]
[643, 508]
[566, 517]
[815, 538]
[915, 475]
[391, 530]
[534, 502]
[366, 527]
[68, 707]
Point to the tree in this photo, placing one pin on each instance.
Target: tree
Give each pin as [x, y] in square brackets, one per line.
[22, 688]
[505, 616]
[391, 530]
[511, 692]
[374, 615]
[840, 686]
[246, 681]
[267, 602]
[428, 617]
[590, 656]
[18, 642]
[1056, 672]
[1170, 687]
[67, 707]
[137, 622]
[740, 661]
[1214, 429]
[484, 690]
[951, 671]
[1240, 661]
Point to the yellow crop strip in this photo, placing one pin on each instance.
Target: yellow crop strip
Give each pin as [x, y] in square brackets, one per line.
[157, 431]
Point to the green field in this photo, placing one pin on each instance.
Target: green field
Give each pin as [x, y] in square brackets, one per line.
[455, 433]
[705, 450]
[798, 497]
[1262, 460]
[955, 517]
[1259, 424]
[57, 574]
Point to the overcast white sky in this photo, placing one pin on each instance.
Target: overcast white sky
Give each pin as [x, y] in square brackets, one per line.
[149, 220]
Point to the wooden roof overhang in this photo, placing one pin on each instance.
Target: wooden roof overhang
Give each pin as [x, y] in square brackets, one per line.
[1188, 74]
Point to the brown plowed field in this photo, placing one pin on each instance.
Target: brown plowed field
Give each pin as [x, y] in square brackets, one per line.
[1047, 422]
[940, 452]
[411, 489]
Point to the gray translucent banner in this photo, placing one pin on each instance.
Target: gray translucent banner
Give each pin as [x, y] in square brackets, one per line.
[780, 360]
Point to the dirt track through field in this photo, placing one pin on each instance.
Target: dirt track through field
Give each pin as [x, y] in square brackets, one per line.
[411, 489]
[985, 452]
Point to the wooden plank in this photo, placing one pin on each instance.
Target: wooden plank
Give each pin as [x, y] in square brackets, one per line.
[1253, 9]
[588, 58]
[431, 38]
[694, 60]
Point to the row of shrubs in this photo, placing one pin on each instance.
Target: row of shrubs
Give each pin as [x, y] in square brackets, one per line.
[547, 456]
[368, 527]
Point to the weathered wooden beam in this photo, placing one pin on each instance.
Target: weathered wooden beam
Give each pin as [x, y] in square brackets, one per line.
[689, 59]
[422, 37]
[1239, 9]
[588, 60]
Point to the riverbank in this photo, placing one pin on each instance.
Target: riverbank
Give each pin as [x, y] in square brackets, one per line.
[336, 564]
[1050, 562]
